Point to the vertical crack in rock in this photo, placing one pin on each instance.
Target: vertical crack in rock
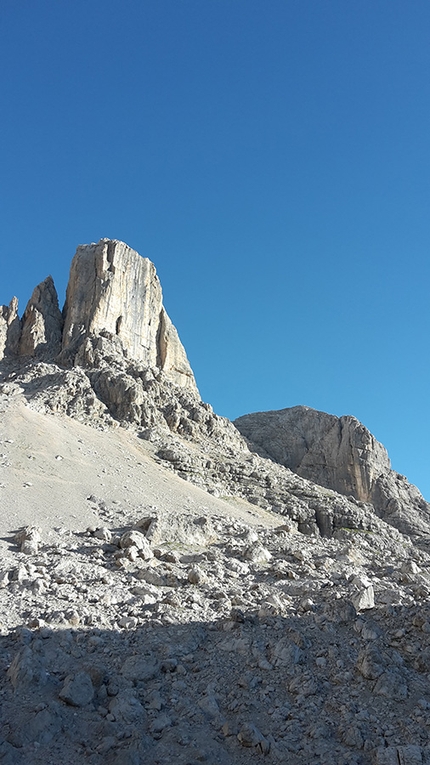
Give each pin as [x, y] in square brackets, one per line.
[110, 255]
[161, 341]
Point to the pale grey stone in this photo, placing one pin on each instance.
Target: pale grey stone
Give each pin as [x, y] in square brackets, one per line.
[42, 323]
[364, 598]
[29, 539]
[103, 533]
[196, 575]
[250, 736]
[10, 329]
[138, 540]
[257, 554]
[113, 289]
[338, 453]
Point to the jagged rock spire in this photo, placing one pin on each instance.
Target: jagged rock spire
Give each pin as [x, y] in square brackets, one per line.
[42, 322]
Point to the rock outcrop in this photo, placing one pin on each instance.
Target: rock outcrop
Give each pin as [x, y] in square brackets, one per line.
[336, 452]
[112, 293]
[42, 323]
[113, 356]
[277, 604]
[113, 289]
[340, 454]
[10, 328]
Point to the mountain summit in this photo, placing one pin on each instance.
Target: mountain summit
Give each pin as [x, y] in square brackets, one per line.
[112, 292]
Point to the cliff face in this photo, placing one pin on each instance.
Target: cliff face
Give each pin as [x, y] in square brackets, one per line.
[42, 323]
[241, 612]
[112, 291]
[10, 328]
[338, 453]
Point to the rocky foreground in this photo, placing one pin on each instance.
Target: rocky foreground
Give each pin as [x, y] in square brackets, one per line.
[173, 590]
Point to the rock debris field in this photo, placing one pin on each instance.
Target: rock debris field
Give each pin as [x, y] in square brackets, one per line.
[172, 592]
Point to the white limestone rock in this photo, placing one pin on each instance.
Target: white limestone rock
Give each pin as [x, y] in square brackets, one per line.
[364, 598]
[10, 328]
[137, 540]
[29, 539]
[112, 289]
[335, 452]
[338, 453]
[42, 322]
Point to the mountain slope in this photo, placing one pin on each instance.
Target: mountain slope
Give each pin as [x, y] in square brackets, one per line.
[169, 589]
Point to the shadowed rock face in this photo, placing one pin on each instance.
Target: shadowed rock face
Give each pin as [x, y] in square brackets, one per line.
[113, 292]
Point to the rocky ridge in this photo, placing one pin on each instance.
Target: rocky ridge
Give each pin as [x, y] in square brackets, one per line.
[266, 612]
[112, 292]
[341, 454]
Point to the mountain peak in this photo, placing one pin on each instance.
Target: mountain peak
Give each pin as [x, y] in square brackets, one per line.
[112, 291]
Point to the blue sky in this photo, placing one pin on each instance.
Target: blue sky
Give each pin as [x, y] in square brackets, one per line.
[271, 157]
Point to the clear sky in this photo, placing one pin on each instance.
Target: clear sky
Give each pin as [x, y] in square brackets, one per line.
[272, 157]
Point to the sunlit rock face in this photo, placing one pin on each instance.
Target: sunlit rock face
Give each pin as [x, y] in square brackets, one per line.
[113, 293]
[42, 323]
[336, 452]
[339, 453]
[10, 328]
[113, 290]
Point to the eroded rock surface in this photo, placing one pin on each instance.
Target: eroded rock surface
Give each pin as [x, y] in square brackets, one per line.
[42, 323]
[112, 293]
[341, 454]
[114, 290]
[10, 328]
